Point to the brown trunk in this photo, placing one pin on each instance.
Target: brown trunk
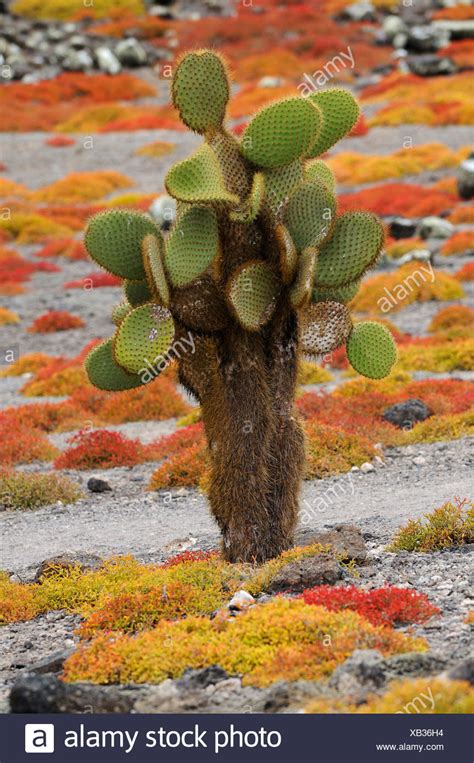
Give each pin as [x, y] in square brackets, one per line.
[256, 445]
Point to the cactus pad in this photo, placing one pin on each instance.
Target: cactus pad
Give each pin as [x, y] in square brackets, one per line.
[120, 311]
[199, 179]
[280, 183]
[145, 335]
[251, 292]
[281, 132]
[288, 255]
[371, 350]
[200, 90]
[192, 246]
[340, 112]
[310, 214]
[324, 327]
[105, 374]
[342, 294]
[301, 291]
[354, 247]
[153, 254]
[317, 171]
[113, 240]
[137, 292]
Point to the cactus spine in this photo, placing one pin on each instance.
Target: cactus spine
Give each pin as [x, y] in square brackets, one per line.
[259, 267]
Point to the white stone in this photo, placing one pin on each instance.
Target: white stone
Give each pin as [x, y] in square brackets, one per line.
[419, 460]
[241, 600]
[367, 468]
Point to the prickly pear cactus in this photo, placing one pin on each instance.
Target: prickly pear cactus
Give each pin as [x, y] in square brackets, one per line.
[258, 267]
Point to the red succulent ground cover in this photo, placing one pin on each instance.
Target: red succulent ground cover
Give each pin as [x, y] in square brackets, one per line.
[64, 247]
[94, 281]
[42, 105]
[189, 556]
[59, 141]
[22, 444]
[101, 449]
[55, 320]
[387, 606]
[404, 199]
[362, 413]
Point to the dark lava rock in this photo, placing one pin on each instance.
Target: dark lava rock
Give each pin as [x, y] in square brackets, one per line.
[402, 227]
[346, 540]
[47, 694]
[426, 38]
[362, 670]
[414, 664]
[404, 415]
[322, 569]
[200, 679]
[98, 486]
[431, 65]
[464, 671]
[53, 663]
[67, 561]
[284, 694]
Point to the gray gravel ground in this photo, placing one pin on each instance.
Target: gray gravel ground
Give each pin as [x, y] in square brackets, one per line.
[131, 520]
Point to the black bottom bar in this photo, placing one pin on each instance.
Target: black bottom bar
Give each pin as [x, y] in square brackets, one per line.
[277, 738]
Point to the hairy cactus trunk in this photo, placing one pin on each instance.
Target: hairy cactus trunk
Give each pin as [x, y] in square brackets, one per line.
[256, 445]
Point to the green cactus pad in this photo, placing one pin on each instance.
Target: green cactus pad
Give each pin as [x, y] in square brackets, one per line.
[113, 240]
[324, 327]
[300, 292]
[371, 350]
[120, 311]
[251, 293]
[153, 255]
[200, 90]
[192, 246]
[355, 245]
[317, 171]
[252, 206]
[200, 306]
[287, 253]
[105, 374]
[343, 294]
[199, 179]
[145, 335]
[310, 215]
[280, 183]
[340, 112]
[281, 132]
[137, 292]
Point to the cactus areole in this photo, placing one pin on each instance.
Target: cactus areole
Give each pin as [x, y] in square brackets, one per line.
[256, 270]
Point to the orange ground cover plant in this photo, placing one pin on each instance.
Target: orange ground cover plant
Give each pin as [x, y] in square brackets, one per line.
[27, 445]
[466, 273]
[69, 248]
[353, 168]
[460, 243]
[406, 199]
[55, 320]
[462, 214]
